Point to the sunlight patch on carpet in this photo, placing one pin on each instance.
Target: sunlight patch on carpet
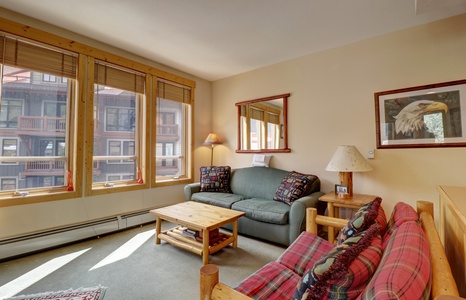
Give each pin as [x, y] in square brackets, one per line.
[17, 285]
[126, 249]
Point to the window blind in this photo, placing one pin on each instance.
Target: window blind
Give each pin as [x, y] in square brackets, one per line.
[173, 91]
[120, 78]
[257, 114]
[38, 57]
[273, 118]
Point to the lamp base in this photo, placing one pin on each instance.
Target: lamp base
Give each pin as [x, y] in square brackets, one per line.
[346, 179]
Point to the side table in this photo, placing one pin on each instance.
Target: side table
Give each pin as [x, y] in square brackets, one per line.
[334, 204]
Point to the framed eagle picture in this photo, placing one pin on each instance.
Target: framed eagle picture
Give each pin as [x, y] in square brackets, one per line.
[423, 116]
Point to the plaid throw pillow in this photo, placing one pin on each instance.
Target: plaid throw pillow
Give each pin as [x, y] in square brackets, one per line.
[344, 272]
[405, 270]
[215, 179]
[362, 219]
[294, 186]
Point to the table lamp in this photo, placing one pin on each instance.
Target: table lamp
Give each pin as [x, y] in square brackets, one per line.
[212, 140]
[346, 160]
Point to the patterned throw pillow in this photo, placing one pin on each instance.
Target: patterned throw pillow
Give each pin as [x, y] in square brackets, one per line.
[344, 272]
[294, 186]
[215, 179]
[362, 219]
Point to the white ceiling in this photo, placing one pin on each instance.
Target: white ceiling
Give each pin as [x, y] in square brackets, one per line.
[213, 39]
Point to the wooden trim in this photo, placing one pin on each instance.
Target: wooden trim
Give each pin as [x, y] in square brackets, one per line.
[84, 140]
[77, 47]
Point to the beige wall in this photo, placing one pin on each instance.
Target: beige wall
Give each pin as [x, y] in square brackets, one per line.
[332, 103]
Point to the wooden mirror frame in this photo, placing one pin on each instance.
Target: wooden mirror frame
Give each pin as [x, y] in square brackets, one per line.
[285, 148]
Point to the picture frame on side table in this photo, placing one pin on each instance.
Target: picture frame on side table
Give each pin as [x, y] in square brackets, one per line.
[341, 189]
[431, 115]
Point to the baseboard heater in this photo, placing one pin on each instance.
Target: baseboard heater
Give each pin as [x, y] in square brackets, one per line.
[30, 243]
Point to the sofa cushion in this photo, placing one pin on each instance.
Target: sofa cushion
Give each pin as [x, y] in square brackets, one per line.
[401, 213]
[257, 182]
[362, 219]
[404, 271]
[345, 270]
[294, 186]
[215, 179]
[304, 252]
[263, 210]
[218, 199]
[273, 281]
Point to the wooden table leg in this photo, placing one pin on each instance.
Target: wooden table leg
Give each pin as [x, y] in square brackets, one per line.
[205, 246]
[331, 230]
[158, 229]
[235, 233]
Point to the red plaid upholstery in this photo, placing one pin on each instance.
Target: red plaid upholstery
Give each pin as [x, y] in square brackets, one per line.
[273, 281]
[404, 271]
[382, 220]
[304, 252]
[401, 213]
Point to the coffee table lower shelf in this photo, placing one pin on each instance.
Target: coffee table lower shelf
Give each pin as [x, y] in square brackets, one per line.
[175, 237]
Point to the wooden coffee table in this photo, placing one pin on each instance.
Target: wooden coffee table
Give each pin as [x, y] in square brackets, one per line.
[201, 217]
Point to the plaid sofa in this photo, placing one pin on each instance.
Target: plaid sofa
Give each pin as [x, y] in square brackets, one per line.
[393, 263]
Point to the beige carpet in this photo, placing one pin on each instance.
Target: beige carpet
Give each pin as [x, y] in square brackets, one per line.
[132, 266]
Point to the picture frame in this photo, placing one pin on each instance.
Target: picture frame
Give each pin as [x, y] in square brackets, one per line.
[431, 115]
[341, 189]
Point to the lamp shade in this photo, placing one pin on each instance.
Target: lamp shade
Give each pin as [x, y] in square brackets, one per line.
[348, 159]
[212, 139]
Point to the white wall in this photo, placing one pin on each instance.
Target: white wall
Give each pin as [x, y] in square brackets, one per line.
[332, 103]
[22, 219]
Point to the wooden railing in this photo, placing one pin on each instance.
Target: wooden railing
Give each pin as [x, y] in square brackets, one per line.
[44, 123]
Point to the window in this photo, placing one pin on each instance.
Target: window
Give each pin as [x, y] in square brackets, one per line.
[11, 111]
[119, 100]
[9, 149]
[173, 131]
[36, 155]
[8, 184]
[260, 126]
[48, 78]
[120, 119]
[121, 148]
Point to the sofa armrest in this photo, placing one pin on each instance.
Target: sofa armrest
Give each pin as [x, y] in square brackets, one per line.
[313, 219]
[190, 189]
[211, 288]
[298, 213]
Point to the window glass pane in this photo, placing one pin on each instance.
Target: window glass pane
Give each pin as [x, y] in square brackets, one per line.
[115, 113]
[33, 127]
[170, 152]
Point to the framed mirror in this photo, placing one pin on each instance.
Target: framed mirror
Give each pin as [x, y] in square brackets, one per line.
[262, 125]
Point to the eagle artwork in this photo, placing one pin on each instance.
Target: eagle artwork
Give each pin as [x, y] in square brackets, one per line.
[411, 118]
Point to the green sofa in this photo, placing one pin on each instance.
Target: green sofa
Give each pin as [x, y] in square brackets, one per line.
[253, 190]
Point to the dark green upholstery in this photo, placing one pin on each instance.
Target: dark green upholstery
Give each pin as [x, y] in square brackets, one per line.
[253, 189]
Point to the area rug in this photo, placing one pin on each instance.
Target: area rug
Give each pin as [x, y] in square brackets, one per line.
[92, 293]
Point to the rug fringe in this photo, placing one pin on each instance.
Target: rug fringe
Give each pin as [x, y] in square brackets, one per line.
[58, 293]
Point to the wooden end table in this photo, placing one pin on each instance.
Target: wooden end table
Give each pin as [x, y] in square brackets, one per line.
[334, 204]
[201, 217]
